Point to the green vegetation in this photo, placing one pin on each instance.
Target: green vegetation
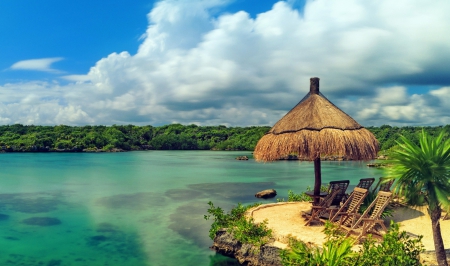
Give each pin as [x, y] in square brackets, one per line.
[292, 197]
[169, 137]
[396, 248]
[422, 172]
[243, 229]
[388, 135]
[128, 137]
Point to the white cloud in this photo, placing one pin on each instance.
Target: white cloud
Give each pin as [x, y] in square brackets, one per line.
[195, 66]
[42, 64]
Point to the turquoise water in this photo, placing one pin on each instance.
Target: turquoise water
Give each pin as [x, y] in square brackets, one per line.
[135, 208]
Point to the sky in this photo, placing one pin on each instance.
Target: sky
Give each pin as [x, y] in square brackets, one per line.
[222, 62]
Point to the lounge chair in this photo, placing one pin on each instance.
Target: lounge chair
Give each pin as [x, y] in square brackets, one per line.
[384, 184]
[323, 208]
[365, 183]
[343, 185]
[371, 217]
[347, 215]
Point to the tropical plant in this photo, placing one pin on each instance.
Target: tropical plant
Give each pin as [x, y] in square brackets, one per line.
[396, 248]
[243, 229]
[422, 172]
[302, 196]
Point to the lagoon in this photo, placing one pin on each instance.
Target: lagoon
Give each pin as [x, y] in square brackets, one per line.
[135, 208]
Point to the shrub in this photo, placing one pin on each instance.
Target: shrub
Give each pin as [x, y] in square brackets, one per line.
[396, 248]
[336, 251]
[302, 196]
[243, 229]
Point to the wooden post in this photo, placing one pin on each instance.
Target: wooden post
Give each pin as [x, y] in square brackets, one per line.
[314, 89]
[314, 85]
[318, 180]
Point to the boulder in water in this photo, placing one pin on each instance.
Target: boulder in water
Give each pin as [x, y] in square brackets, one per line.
[265, 194]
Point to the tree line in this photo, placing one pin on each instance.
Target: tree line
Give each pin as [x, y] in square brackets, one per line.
[31, 138]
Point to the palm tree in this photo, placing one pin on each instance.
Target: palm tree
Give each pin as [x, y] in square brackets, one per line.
[423, 177]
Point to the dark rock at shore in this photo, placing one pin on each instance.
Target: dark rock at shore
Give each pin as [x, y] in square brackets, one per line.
[246, 254]
[266, 194]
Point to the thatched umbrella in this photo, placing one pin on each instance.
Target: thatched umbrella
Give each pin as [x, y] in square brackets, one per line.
[315, 127]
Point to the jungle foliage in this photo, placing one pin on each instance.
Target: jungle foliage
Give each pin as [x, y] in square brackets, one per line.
[19, 137]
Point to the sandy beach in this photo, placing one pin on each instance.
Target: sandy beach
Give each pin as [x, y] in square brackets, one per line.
[285, 220]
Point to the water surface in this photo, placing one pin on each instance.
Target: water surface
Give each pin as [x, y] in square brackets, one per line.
[134, 208]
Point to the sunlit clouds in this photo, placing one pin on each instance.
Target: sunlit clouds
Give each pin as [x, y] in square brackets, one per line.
[42, 64]
[197, 64]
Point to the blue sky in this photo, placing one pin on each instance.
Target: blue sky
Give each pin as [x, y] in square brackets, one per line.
[211, 62]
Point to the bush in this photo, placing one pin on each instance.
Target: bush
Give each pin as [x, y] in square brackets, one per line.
[396, 248]
[302, 196]
[243, 229]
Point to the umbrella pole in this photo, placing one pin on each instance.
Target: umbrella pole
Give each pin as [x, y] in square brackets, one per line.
[318, 180]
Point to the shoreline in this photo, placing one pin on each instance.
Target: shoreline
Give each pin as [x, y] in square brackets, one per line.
[285, 221]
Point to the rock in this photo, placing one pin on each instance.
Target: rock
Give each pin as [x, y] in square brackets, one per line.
[266, 194]
[242, 158]
[246, 254]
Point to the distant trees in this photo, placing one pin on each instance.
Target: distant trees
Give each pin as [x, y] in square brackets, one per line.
[128, 137]
[168, 137]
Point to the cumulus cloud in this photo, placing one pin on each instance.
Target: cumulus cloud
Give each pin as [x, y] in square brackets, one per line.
[42, 64]
[195, 65]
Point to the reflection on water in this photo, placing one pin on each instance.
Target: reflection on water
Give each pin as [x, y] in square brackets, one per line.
[137, 208]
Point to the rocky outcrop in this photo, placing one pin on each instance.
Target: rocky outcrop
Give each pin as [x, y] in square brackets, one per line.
[246, 254]
[242, 158]
[266, 194]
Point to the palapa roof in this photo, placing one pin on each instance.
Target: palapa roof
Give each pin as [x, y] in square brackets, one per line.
[316, 127]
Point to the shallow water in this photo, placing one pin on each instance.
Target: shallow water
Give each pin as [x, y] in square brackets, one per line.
[135, 208]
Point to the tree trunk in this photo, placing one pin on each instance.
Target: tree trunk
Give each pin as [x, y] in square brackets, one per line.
[441, 257]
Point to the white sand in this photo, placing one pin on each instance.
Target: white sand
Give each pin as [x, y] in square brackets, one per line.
[285, 219]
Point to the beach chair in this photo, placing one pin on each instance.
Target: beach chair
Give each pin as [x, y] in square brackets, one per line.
[323, 208]
[384, 184]
[343, 185]
[365, 183]
[347, 215]
[371, 217]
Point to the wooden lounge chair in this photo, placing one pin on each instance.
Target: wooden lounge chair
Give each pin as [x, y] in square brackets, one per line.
[365, 183]
[324, 207]
[384, 184]
[371, 217]
[343, 185]
[347, 215]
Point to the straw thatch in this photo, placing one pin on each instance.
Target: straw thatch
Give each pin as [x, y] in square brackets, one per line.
[315, 127]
